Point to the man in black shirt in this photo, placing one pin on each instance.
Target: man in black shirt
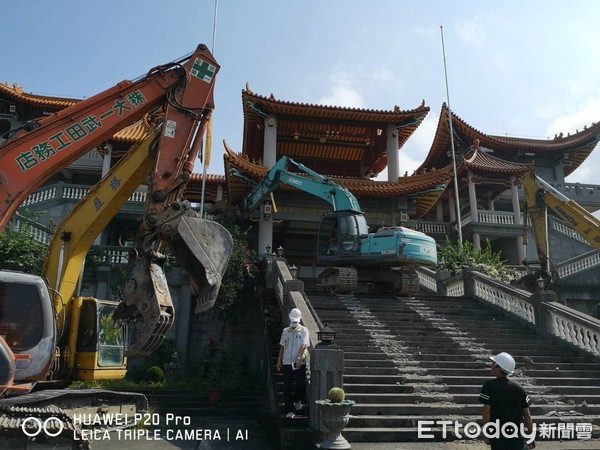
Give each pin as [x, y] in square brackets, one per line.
[506, 404]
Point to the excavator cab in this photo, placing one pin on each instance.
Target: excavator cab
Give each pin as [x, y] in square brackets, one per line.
[340, 234]
[101, 341]
[27, 324]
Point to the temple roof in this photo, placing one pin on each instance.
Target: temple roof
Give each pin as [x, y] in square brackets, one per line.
[425, 188]
[480, 161]
[44, 102]
[333, 140]
[575, 148]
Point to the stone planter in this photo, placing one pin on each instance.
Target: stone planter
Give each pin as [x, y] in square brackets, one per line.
[334, 417]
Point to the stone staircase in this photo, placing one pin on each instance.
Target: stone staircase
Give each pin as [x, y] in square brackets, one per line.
[425, 359]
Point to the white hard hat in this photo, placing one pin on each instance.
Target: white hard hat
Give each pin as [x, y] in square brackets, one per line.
[505, 361]
[295, 315]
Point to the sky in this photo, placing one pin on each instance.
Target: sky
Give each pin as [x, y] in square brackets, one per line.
[517, 68]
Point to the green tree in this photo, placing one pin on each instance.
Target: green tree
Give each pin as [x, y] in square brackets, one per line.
[240, 264]
[18, 250]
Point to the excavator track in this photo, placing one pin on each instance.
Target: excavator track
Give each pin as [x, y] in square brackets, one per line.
[21, 426]
[403, 282]
[60, 412]
[339, 279]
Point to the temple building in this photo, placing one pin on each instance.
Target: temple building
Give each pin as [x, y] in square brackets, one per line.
[352, 147]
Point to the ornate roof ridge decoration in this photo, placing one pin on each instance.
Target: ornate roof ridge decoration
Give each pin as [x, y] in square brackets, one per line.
[558, 144]
[387, 115]
[575, 148]
[480, 161]
[35, 100]
[425, 187]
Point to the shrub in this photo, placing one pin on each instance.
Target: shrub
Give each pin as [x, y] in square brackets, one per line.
[454, 256]
[336, 394]
[155, 374]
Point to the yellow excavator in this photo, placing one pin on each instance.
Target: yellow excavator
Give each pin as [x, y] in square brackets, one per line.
[541, 197]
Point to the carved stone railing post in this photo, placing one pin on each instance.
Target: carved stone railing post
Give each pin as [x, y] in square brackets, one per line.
[327, 371]
[537, 299]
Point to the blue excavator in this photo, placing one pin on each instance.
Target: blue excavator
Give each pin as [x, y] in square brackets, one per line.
[354, 258]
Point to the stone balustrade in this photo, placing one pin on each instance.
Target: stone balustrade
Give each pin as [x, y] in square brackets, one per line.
[540, 309]
[579, 263]
[66, 191]
[571, 326]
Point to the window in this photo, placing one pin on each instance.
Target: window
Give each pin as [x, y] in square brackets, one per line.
[110, 338]
[21, 319]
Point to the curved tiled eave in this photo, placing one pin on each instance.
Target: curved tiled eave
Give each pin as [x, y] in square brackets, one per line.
[425, 188]
[313, 134]
[16, 93]
[575, 148]
[479, 161]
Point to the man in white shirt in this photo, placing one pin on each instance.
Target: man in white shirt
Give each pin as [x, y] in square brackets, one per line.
[293, 347]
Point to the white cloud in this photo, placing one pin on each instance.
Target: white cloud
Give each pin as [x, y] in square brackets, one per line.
[585, 116]
[343, 91]
[474, 31]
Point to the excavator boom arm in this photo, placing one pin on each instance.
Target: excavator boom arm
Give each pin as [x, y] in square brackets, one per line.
[539, 197]
[315, 184]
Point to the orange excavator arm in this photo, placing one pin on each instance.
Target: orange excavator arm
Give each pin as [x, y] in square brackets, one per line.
[44, 147]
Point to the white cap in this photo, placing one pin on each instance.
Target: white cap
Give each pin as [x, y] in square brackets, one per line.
[295, 315]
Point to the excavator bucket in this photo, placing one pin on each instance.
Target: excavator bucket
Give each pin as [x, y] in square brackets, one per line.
[148, 301]
[202, 248]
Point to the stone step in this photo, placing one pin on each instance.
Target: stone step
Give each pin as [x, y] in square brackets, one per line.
[447, 407]
[471, 364]
[464, 398]
[406, 420]
[466, 372]
[472, 389]
[459, 380]
[459, 353]
[447, 342]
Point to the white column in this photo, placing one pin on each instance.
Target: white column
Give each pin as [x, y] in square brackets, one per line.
[439, 212]
[518, 220]
[265, 227]
[219, 192]
[473, 207]
[391, 148]
[451, 206]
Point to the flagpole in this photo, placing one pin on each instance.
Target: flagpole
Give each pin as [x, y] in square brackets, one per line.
[458, 220]
[204, 156]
